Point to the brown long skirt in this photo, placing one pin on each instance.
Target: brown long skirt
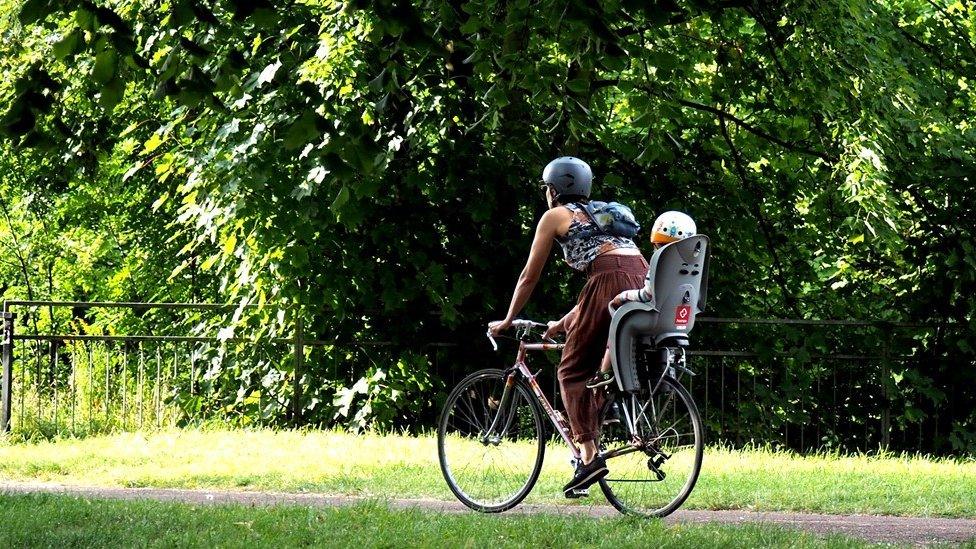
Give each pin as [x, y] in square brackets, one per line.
[586, 341]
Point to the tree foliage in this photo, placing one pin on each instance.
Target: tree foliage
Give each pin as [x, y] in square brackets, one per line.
[371, 162]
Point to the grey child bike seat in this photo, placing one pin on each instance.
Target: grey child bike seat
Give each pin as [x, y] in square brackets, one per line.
[680, 274]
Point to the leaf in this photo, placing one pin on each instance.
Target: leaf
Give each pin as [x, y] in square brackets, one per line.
[33, 11]
[615, 63]
[471, 25]
[268, 73]
[299, 256]
[209, 262]
[68, 45]
[376, 84]
[85, 19]
[663, 60]
[579, 85]
[340, 199]
[132, 171]
[112, 93]
[152, 144]
[105, 64]
[380, 105]
[303, 131]
[230, 244]
[160, 201]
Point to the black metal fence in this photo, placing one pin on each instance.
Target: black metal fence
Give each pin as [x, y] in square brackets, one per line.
[802, 384]
[66, 382]
[823, 384]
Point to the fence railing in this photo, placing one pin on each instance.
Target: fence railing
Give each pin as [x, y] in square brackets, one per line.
[851, 393]
[74, 382]
[803, 384]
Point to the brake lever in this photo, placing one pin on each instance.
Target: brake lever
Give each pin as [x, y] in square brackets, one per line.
[492, 339]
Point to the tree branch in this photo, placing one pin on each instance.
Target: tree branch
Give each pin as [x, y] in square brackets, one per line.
[724, 115]
[597, 84]
[771, 45]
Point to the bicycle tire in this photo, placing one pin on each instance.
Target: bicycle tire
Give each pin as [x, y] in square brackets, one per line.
[455, 440]
[619, 491]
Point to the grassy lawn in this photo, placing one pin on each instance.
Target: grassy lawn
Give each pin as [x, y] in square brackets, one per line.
[401, 466]
[73, 522]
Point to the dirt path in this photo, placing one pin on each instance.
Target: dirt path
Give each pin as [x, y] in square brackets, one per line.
[911, 530]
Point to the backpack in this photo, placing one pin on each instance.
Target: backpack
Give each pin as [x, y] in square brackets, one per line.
[612, 218]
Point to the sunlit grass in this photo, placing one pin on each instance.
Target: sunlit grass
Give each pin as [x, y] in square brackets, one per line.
[60, 521]
[403, 466]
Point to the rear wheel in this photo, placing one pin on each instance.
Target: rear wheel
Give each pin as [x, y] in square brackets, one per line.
[490, 458]
[656, 470]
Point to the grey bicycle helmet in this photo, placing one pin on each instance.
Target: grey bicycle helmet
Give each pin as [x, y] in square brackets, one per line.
[569, 176]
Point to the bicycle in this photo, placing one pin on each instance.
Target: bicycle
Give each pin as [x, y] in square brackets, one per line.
[491, 440]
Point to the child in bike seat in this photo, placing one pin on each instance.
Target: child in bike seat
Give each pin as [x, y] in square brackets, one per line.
[668, 227]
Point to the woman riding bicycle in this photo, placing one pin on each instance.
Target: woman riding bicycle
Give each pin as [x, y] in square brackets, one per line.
[612, 264]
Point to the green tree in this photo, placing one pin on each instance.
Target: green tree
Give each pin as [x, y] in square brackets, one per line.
[371, 162]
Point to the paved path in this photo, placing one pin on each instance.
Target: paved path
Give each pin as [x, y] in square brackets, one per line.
[911, 530]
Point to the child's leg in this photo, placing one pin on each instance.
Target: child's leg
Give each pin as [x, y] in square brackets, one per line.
[605, 365]
[603, 377]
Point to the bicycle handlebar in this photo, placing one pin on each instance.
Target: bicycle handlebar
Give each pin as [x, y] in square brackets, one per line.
[517, 323]
[522, 323]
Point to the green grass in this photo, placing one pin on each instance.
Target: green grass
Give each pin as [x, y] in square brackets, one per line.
[61, 521]
[401, 466]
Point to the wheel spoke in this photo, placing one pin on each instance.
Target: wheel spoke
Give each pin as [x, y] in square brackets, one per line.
[474, 415]
[473, 422]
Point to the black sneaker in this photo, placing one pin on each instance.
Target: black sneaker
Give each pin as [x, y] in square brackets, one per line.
[586, 475]
[578, 493]
[600, 379]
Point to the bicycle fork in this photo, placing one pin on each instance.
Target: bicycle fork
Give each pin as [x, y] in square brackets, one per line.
[503, 416]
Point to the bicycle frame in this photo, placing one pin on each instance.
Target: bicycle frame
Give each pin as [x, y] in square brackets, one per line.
[675, 360]
[520, 367]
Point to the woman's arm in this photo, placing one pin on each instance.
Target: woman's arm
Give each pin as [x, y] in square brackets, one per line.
[541, 245]
[564, 324]
[567, 321]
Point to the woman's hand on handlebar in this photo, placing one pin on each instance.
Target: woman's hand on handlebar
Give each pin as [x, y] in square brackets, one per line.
[555, 327]
[496, 327]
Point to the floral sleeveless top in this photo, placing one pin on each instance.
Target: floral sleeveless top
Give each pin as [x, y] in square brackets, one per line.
[580, 250]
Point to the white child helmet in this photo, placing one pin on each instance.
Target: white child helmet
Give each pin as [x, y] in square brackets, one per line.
[672, 226]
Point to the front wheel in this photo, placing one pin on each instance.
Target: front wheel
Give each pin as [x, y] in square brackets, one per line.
[490, 446]
[655, 466]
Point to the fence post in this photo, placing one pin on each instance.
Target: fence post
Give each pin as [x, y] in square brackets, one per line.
[296, 400]
[7, 359]
[885, 376]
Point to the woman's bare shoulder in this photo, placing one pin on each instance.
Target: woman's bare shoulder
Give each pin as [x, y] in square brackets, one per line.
[557, 220]
[559, 213]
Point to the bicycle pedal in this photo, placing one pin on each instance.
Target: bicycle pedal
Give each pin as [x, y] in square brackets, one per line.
[578, 493]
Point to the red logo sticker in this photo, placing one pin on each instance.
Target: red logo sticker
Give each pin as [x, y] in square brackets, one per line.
[681, 315]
